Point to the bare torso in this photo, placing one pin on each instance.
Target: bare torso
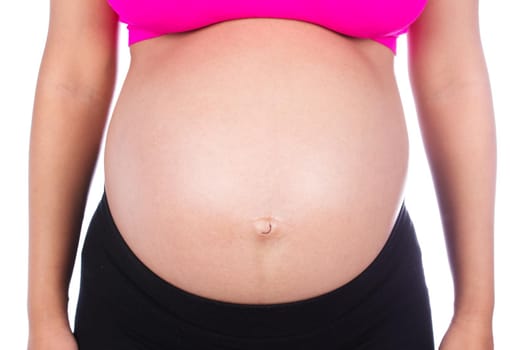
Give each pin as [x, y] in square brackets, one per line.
[253, 125]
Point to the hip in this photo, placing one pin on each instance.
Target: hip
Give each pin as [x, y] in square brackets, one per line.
[124, 305]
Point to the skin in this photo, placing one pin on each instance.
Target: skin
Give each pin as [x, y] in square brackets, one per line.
[223, 159]
[454, 103]
[452, 94]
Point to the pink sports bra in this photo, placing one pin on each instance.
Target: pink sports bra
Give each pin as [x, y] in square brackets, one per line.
[379, 20]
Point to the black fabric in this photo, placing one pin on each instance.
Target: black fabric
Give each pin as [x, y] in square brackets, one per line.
[123, 305]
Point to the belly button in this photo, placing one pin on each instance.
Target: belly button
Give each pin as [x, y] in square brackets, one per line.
[264, 226]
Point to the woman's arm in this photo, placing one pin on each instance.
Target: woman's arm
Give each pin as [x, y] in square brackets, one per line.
[454, 104]
[74, 89]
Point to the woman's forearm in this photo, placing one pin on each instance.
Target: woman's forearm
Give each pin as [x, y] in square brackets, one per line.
[457, 124]
[66, 131]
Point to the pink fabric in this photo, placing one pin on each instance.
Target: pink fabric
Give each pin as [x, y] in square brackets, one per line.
[379, 20]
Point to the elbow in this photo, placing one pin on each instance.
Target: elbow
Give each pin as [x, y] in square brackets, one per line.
[93, 84]
[448, 74]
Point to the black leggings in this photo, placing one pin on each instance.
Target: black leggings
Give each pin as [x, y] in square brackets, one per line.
[123, 305]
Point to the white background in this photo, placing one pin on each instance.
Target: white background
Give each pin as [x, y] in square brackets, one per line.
[23, 27]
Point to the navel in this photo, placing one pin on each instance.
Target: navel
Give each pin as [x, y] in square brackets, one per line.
[264, 226]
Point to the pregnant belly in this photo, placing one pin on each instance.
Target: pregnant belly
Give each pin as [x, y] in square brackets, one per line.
[255, 180]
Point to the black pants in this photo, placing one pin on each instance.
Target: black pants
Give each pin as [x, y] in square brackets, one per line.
[123, 305]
